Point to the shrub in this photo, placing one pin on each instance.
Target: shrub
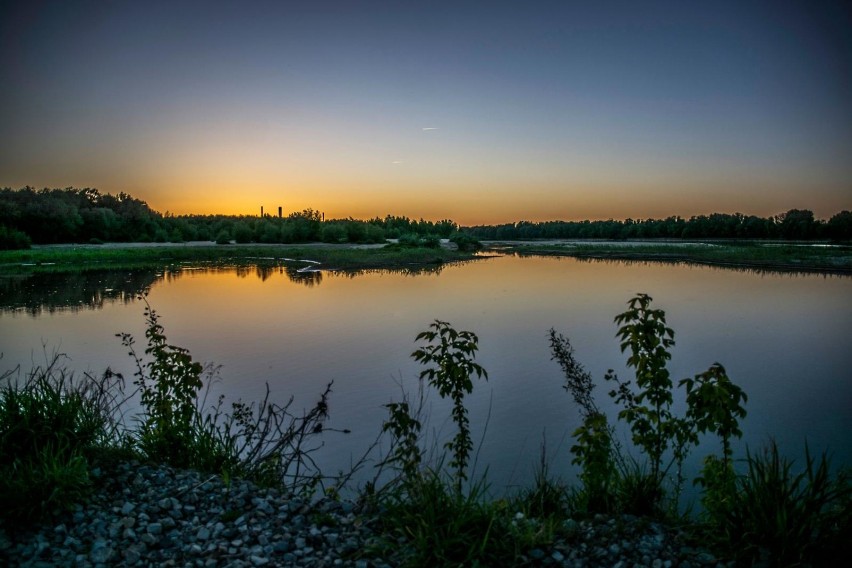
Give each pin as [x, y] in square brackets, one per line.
[169, 383]
[714, 405]
[465, 242]
[452, 352]
[13, 239]
[223, 237]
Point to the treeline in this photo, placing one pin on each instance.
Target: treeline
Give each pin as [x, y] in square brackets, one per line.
[74, 215]
[796, 224]
[86, 215]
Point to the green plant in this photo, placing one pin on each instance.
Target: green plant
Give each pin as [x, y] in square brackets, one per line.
[648, 412]
[596, 450]
[265, 442]
[714, 405]
[431, 524]
[405, 430]
[51, 427]
[452, 352]
[169, 384]
[593, 452]
[784, 518]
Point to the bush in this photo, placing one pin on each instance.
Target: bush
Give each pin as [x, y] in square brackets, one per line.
[714, 405]
[223, 237]
[465, 242]
[13, 239]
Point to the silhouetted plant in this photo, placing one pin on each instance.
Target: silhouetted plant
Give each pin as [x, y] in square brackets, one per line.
[452, 352]
[648, 412]
[169, 384]
[714, 405]
[265, 442]
[405, 430]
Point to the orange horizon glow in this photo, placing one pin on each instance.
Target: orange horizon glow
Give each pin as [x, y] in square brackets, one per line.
[566, 112]
[469, 210]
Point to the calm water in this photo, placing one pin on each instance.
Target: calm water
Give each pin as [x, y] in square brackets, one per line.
[784, 338]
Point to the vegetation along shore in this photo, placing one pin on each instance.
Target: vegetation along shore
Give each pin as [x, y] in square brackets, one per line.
[87, 217]
[72, 258]
[182, 479]
[774, 256]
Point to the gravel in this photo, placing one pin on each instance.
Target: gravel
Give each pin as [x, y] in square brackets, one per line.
[158, 516]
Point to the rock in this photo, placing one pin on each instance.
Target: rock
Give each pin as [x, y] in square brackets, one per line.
[101, 552]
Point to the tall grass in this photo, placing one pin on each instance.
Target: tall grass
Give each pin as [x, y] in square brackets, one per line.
[777, 515]
[52, 425]
[55, 428]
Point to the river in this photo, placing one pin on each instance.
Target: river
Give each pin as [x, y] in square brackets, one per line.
[784, 338]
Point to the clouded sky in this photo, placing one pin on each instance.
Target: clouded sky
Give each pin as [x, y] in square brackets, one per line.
[480, 112]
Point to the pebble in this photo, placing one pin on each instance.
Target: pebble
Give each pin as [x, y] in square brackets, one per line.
[144, 515]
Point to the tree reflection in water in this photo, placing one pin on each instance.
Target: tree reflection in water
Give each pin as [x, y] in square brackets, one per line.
[92, 289]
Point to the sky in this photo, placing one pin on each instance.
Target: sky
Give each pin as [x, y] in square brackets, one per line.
[486, 112]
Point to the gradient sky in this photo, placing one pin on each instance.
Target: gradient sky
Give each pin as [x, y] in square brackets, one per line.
[480, 112]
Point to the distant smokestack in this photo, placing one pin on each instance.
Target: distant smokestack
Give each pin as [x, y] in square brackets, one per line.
[279, 211]
[261, 211]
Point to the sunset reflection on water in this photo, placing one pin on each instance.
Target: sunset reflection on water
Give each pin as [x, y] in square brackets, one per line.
[782, 337]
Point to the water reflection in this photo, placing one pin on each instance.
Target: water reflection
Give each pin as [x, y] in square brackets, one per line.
[93, 289]
[783, 339]
[73, 292]
[767, 270]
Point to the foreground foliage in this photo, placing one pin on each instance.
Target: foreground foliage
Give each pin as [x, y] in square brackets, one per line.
[51, 428]
[54, 430]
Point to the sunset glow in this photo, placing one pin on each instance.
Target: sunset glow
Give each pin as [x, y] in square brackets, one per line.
[482, 113]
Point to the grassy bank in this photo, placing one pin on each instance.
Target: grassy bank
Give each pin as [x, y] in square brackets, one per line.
[83, 257]
[751, 255]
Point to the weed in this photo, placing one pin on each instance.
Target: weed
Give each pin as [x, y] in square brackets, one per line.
[452, 352]
[714, 405]
[265, 442]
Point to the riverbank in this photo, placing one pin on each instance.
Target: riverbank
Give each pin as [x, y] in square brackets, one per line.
[73, 258]
[754, 255]
[141, 515]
